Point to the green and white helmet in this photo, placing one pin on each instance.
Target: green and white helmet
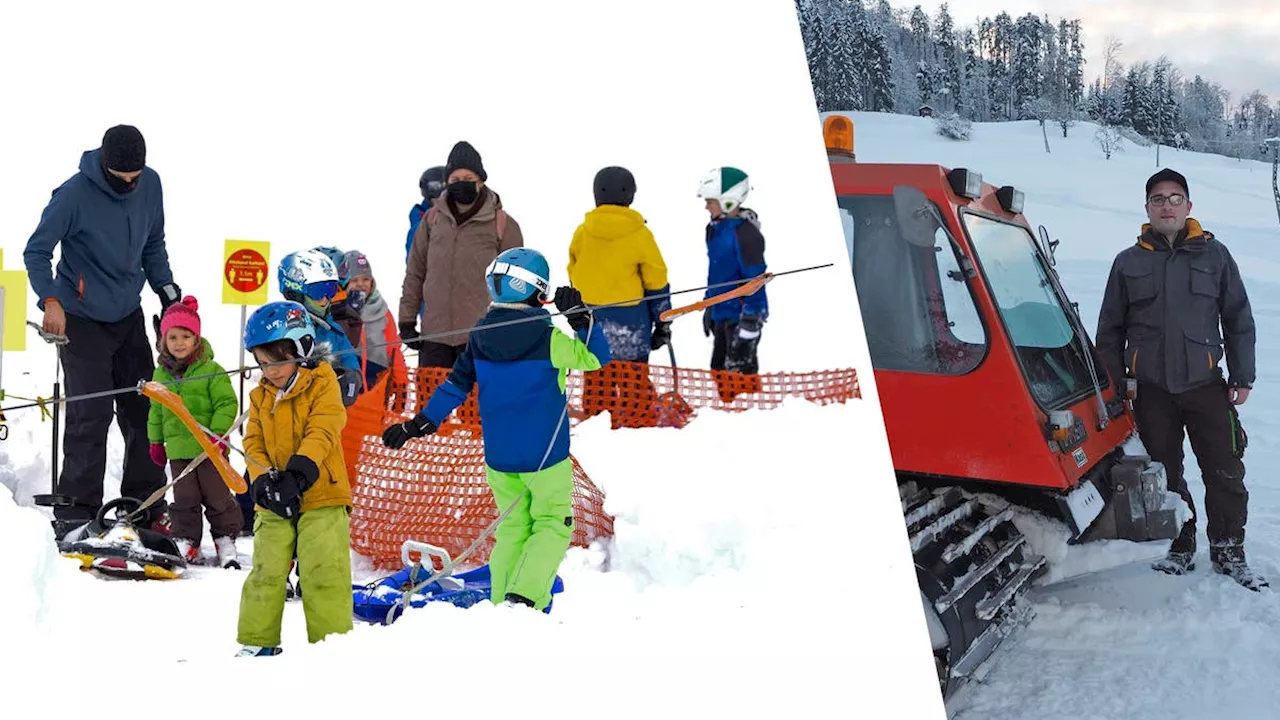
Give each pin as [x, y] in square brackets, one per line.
[726, 184]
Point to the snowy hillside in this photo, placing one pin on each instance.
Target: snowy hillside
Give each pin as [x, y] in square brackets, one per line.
[761, 568]
[1131, 643]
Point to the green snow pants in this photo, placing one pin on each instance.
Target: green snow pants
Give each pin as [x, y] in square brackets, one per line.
[531, 542]
[323, 541]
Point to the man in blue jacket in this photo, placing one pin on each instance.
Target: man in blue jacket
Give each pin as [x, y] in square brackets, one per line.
[109, 220]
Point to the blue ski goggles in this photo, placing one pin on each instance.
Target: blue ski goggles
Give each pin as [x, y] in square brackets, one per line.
[323, 290]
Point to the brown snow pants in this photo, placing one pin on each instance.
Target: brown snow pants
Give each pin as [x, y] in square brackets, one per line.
[205, 488]
[1218, 443]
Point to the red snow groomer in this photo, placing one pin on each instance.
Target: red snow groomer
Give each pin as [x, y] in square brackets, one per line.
[994, 399]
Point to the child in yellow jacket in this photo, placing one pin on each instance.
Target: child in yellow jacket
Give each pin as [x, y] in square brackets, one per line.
[614, 261]
[294, 445]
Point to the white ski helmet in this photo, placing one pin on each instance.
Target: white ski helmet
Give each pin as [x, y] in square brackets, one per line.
[726, 184]
[307, 273]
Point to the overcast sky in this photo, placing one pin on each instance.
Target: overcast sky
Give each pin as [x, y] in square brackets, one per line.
[1239, 48]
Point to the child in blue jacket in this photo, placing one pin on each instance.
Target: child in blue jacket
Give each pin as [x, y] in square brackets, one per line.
[521, 369]
[735, 252]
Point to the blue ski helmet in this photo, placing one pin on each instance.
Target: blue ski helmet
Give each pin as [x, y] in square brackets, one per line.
[517, 274]
[308, 274]
[281, 320]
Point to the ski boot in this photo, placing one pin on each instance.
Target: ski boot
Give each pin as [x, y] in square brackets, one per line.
[255, 651]
[514, 600]
[1176, 562]
[228, 557]
[187, 550]
[1229, 560]
[292, 589]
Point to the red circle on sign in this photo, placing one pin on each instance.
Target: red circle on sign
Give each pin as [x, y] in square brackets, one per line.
[246, 270]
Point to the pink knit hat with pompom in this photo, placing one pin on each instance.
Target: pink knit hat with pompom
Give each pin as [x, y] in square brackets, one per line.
[181, 314]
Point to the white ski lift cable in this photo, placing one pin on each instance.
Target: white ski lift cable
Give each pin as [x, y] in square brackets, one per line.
[191, 467]
[431, 336]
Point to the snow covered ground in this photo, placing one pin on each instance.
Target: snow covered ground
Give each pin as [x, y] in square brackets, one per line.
[761, 566]
[1130, 643]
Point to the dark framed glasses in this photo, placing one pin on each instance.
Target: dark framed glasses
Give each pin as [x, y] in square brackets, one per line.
[1175, 200]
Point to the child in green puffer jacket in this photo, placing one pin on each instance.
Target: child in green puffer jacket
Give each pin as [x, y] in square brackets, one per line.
[212, 401]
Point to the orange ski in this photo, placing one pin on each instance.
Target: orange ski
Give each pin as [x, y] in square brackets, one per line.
[743, 290]
[170, 400]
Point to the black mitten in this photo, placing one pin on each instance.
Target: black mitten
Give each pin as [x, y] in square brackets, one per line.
[569, 303]
[661, 335]
[707, 323]
[350, 383]
[741, 355]
[397, 435]
[285, 490]
[409, 336]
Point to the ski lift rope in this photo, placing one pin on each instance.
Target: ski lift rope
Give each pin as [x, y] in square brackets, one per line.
[433, 336]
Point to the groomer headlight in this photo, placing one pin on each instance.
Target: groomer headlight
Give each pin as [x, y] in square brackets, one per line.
[965, 183]
[1011, 199]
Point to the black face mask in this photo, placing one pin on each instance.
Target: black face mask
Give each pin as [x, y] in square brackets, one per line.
[120, 185]
[463, 192]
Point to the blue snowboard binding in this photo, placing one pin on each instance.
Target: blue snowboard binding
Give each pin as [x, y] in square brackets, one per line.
[382, 602]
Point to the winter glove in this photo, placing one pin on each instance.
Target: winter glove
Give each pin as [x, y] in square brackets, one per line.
[158, 455]
[569, 299]
[397, 435]
[169, 294]
[345, 311]
[661, 335]
[409, 336]
[741, 355]
[356, 300]
[707, 323]
[222, 445]
[350, 382]
[281, 491]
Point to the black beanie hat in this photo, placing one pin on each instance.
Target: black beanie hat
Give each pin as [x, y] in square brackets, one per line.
[614, 186]
[463, 156]
[123, 149]
[1167, 175]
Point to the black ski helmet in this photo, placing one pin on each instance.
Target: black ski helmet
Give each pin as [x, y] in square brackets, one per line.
[432, 183]
[614, 186]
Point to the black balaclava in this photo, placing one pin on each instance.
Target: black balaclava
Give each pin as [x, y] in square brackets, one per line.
[123, 150]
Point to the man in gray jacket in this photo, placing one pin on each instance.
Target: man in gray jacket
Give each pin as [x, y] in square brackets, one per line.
[1174, 303]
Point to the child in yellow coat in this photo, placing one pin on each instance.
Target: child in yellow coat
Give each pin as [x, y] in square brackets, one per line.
[615, 261]
[294, 445]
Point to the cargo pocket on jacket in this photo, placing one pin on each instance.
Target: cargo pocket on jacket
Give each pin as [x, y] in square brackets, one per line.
[1204, 352]
[1139, 283]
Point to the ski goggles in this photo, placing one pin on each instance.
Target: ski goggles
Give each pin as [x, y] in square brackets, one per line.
[323, 290]
[515, 272]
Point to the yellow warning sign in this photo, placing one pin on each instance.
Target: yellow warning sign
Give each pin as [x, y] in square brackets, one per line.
[246, 269]
[14, 283]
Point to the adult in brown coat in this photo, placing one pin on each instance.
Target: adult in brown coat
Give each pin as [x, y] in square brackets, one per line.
[465, 229]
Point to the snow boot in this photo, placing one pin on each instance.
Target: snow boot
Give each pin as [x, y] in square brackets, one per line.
[1229, 560]
[227, 555]
[512, 599]
[187, 550]
[1176, 563]
[255, 651]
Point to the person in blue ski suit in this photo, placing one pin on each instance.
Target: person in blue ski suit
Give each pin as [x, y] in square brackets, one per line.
[735, 252]
[431, 184]
[520, 369]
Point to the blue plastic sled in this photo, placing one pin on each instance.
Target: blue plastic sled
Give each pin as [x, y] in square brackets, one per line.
[379, 602]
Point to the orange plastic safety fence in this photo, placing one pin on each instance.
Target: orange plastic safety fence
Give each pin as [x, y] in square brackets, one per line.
[434, 489]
